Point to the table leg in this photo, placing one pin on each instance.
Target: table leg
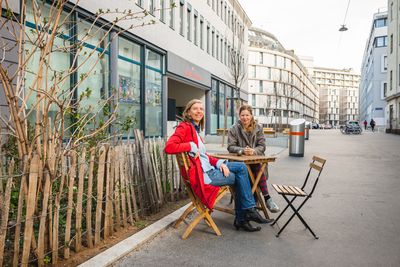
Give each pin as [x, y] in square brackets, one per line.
[256, 188]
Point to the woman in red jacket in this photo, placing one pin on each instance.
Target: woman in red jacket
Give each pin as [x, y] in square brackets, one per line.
[207, 173]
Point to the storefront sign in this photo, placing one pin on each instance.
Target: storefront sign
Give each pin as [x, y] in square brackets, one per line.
[187, 70]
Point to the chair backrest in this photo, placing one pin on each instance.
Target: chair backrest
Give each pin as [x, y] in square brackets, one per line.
[316, 166]
[184, 165]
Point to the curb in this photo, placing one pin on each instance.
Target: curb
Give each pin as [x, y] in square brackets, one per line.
[116, 252]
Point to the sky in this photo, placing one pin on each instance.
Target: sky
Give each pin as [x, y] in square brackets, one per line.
[311, 27]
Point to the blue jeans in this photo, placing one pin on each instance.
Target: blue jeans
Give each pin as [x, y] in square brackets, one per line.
[238, 177]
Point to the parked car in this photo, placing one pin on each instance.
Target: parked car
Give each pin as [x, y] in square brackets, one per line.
[327, 126]
[315, 125]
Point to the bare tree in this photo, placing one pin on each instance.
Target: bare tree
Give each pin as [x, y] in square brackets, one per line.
[289, 93]
[238, 70]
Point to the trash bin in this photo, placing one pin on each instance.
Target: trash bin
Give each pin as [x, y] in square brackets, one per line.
[296, 138]
[307, 130]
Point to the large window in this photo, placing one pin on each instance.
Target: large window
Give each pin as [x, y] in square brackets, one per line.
[214, 106]
[189, 23]
[380, 41]
[93, 71]
[382, 22]
[58, 61]
[153, 94]
[129, 87]
[222, 104]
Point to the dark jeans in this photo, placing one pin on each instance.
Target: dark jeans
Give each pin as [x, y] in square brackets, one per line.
[239, 178]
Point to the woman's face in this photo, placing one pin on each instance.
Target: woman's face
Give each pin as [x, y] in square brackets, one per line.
[245, 117]
[196, 112]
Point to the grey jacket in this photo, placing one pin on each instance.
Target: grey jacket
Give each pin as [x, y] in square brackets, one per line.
[238, 139]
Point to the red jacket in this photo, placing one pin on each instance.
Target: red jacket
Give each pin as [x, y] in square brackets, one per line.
[180, 142]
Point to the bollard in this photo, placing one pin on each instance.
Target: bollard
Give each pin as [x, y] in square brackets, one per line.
[307, 130]
[296, 138]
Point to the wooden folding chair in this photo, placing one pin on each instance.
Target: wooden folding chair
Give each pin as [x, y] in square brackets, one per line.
[203, 211]
[317, 165]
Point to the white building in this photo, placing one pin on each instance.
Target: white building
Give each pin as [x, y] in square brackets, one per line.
[158, 68]
[338, 95]
[280, 88]
[373, 85]
[393, 72]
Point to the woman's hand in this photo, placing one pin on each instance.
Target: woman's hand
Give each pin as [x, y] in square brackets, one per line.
[248, 151]
[224, 169]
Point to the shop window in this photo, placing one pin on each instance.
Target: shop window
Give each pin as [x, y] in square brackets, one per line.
[129, 113]
[153, 94]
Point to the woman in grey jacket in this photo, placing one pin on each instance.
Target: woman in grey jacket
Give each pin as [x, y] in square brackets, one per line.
[247, 137]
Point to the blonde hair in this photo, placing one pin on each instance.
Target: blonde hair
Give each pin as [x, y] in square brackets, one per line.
[253, 123]
[186, 116]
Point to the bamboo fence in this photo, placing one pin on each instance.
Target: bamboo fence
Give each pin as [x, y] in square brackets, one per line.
[98, 192]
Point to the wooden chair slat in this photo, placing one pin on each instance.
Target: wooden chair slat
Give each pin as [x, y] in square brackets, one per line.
[320, 160]
[301, 192]
[277, 189]
[283, 189]
[315, 166]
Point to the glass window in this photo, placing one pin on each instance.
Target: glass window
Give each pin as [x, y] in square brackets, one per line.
[214, 106]
[139, 2]
[208, 40]
[213, 43]
[153, 94]
[380, 41]
[261, 86]
[261, 61]
[181, 12]
[382, 22]
[162, 10]
[129, 87]
[151, 6]
[189, 23]
[58, 62]
[93, 64]
[172, 14]
[195, 27]
[201, 33]
[222, 104]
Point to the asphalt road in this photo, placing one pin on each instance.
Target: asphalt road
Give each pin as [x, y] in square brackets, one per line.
[355, 211]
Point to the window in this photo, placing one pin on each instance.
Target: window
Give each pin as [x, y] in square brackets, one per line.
[262, 112]
[253, 100]
[221, 48]
[162, 10]
[391, 43]
[153, 94]
[384, 63]
[380, 41]
[252, 71]
[139, 3]
[261, 87]
[213, 43]
[217, 46]
[382, 22]
[195, 27]
[384, 89]
[208, 39]
[181, 13]
[129, 85]
[261, 61]
[189, 23]
[391, 11]
[214, 106]
[172, 14]
[201, 32]
[151, 6]
[391, 81]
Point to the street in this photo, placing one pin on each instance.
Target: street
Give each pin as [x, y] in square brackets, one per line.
[354, 211]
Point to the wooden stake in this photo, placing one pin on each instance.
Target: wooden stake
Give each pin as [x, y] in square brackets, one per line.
[78, 217]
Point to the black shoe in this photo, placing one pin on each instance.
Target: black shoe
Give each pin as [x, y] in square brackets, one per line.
[245, 225]
[253, 215]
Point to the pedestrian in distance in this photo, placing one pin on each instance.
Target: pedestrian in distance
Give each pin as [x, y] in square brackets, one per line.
[247, 137]
[372, 124]
[365, 124]
[208, 173]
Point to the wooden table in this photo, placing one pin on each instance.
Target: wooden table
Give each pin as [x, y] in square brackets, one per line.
[252, 160]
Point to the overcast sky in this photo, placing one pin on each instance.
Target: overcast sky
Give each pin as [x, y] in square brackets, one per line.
[310, 27]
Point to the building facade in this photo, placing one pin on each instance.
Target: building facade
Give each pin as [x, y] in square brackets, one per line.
[338, 95]
[157, 68]
[280, 88]
[374, 68]
[393, 73]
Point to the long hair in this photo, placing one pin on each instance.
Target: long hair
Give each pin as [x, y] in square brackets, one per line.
[186, 116]
[253, 123]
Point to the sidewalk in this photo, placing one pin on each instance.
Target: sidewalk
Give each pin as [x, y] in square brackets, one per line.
[355, 212]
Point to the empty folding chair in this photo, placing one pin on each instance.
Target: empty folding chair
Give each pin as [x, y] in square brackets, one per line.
[316, 167]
